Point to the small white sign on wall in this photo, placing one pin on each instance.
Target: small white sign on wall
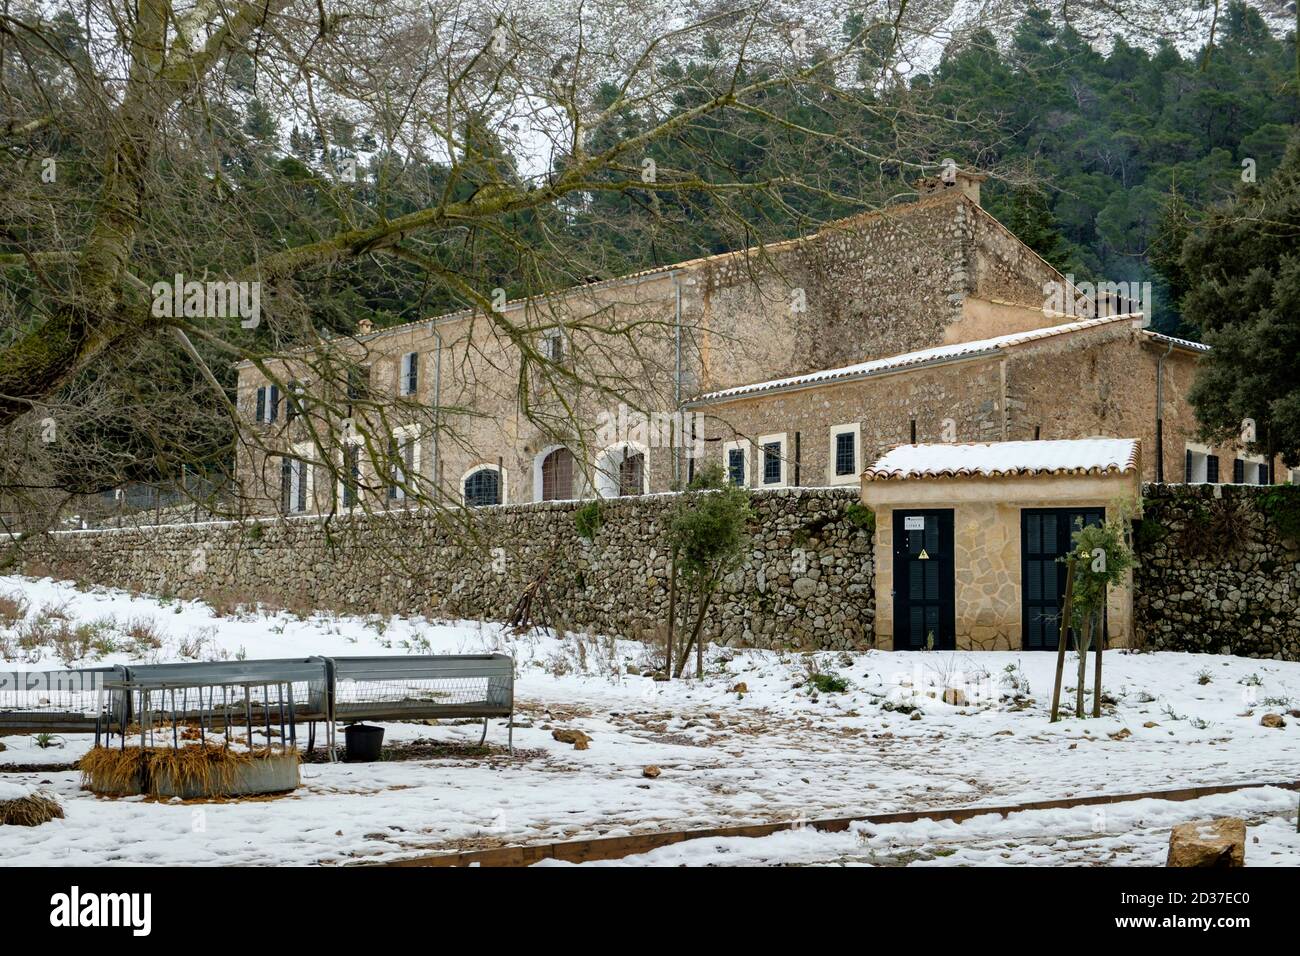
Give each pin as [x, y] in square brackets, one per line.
[914, 523]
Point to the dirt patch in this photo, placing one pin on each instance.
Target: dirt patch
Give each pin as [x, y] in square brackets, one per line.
[426, 749]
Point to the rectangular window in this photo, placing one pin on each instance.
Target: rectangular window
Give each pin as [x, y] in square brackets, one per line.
[1263, 473]
[286, 485]
[846, 453]
[1238, 472]
[358, 382]
[1198, 466]
[294, 473]
[736, 466]
[410, 381]
[273, 404]
[1212, 469]
[261, 405]
[351, 475]
[299, 478]
[772, 463]
[403, 463]
[293, 402]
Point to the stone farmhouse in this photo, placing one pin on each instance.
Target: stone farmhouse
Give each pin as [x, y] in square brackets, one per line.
[792, 364]
[805, 363]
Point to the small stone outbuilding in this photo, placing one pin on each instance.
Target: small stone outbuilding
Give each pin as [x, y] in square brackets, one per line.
[968, 538]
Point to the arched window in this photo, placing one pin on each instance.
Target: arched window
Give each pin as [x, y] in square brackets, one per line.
[631, 475]
[557, 475]
[483, 487]
[621, 470]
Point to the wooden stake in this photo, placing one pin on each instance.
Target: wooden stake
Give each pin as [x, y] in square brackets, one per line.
[1065, 634]
[1099, 637]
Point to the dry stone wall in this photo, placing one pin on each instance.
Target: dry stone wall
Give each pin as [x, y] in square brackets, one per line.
[806, 581]
[1216, 573]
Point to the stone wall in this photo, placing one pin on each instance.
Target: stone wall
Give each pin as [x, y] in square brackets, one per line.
[1215, 574]
[807, 580]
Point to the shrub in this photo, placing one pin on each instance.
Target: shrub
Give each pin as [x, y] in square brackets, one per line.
[828, 683]
[587, 520]
[861, 516]
[13, 608]
[1281, 506]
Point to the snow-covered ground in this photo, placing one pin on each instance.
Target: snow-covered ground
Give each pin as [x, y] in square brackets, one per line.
[774, 750]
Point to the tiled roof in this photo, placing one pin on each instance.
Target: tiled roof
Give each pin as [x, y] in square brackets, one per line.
[931, 356]
[1005, 459]
[1177, 342]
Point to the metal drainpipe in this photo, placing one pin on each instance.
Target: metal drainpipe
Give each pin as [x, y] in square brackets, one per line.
[1160, 414]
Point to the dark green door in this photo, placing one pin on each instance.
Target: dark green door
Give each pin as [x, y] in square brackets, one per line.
[1045, 536]
[924, 615]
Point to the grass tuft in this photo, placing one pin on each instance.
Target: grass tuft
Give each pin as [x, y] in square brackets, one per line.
[30, 811]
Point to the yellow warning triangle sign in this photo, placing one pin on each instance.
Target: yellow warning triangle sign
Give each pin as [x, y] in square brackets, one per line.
[923, 556]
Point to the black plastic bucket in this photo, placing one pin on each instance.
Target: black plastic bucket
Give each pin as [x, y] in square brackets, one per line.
[363, 743]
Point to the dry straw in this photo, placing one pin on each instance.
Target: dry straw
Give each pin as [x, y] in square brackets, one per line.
[30, 811]
[196, 768]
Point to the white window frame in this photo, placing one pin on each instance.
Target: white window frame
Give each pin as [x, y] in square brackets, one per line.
[855, 430]
[485, 466]
[360, 441]
[607, 484]
[302, 458]
[404, 376]
[1259, 461]
[402, 434]
[553, 335]
[760, 460]
[1200, 464]
[743, 446]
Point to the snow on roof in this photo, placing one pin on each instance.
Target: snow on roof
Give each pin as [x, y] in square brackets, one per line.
[1082, 456]
[931, 356]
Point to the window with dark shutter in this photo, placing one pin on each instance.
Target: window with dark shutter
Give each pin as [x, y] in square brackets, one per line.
[845, 459]
[772, 463]
[1187, 468]
[1238, 472]
[395, 470]
[1263, 473]
[1212, 469]
[286, 485]
[557, 475]
[273, 406]
[358, 382]
[631, 475]
[351, 475]
[293, 402]
[736, 466]
[261, 404]
[304, 471]
[410, 373]
[483, 487]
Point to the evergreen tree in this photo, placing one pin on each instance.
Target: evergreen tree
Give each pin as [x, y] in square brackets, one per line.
[1243, 269]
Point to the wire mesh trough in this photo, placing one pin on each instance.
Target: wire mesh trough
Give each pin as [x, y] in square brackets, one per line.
[215, 729]
[429, 686]
[54, 701]
[244, 708]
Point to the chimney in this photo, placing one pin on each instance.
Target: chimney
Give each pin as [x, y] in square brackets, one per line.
[952, 177]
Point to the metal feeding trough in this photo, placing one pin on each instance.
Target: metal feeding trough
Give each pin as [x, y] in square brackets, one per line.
[218, 729]
[171, 715]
